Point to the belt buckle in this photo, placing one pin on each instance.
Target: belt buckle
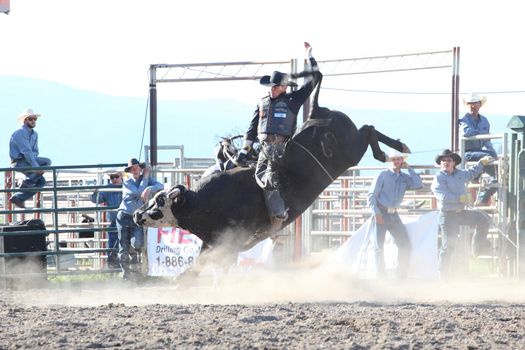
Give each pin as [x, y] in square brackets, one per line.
[391, 210]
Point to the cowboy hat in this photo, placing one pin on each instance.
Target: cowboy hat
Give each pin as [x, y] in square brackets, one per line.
[277, 78]
[394, 153]
[473, 98]
[132, 162]
[27, 113]
[111, 173]
[448, 154]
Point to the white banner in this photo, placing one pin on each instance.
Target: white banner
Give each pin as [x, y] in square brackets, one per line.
[258, 255]
[171, 251]
[357, 253]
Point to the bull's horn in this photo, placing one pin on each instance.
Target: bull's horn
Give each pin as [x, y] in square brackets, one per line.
[174, 193]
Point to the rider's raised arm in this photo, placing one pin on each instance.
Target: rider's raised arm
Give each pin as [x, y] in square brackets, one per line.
[312, 77]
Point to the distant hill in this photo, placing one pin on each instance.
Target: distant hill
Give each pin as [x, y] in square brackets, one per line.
[84, 127]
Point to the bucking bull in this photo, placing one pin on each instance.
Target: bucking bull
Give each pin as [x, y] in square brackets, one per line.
[228, 207]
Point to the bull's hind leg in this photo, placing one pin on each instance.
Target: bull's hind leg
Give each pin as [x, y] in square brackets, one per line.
[369, 134]
[395, 144]
[373, 137]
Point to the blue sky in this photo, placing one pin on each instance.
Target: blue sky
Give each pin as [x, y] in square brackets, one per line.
[107, 46]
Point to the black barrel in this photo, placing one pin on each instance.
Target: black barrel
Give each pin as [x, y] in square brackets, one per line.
[25, 243]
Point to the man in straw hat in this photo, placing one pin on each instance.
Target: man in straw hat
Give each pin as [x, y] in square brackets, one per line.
[135, 192]
[274, 122]
[450, 191]
[23, 150]
[111, 199]
[472, 124]
[384, 198]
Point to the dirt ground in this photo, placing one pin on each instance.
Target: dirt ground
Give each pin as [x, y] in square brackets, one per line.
[299, 309]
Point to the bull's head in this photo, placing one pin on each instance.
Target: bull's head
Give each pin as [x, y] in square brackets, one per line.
[158, 211]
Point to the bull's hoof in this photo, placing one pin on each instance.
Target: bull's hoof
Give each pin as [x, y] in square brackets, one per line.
[405, 149]
[382, 157]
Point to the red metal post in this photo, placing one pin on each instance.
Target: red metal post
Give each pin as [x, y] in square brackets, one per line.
[187, 179]
[346, 218]
[8, 183]
[38, 215]
[298, 242]
[454, 120]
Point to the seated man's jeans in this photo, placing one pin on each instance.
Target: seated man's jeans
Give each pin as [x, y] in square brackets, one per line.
[34, 178]
[474, 156]
[131, 240]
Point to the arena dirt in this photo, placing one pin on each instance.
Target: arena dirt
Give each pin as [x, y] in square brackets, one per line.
[298, 308]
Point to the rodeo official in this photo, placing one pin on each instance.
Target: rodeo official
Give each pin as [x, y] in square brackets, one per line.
[449, 189]
[384, 198]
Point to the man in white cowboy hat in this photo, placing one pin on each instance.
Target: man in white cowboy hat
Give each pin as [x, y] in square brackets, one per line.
[274, 122]
[384, 198]
[135, 192]
[111, 199]
[450, 191]
[23, 150]
[472, 124]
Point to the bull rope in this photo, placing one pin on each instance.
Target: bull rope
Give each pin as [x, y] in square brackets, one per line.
[314, 158]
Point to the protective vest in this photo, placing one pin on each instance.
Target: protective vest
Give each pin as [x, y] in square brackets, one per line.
[275, 116]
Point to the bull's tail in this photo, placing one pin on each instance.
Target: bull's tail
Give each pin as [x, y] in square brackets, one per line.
[314, 102]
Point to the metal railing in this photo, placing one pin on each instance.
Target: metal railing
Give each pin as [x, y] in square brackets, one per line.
[333, 218]
[57, 208]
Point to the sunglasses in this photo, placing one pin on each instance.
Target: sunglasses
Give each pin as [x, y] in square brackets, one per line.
[31, 119]
[113, 177]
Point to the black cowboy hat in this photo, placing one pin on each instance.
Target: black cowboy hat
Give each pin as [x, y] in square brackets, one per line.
[277, 78]
[449, 154]
[132, 162]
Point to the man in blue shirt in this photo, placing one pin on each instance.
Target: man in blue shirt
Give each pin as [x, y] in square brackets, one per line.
[135, 192]
[23, 151]
[111, 199]
[473, 124]
[450, 191]
[384, 198]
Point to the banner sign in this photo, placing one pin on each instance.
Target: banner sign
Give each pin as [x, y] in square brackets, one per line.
[171, 250]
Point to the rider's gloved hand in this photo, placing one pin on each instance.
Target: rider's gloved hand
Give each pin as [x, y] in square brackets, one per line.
[240, 160]
[307, 50]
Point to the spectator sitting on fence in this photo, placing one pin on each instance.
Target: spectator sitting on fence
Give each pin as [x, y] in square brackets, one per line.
[473, 124]
[384, 198]
[111, 199]
[450, 191]
[135, 192]
[23, 150]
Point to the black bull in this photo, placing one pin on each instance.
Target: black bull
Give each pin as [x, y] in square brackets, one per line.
[229, 206]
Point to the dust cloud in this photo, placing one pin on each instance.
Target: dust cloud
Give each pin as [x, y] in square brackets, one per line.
[262, 286]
